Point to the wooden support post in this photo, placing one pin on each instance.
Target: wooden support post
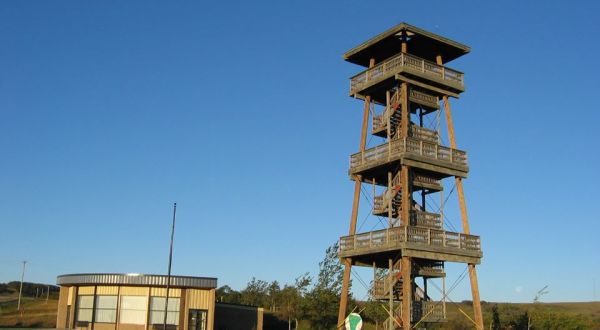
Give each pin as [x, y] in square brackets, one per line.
[404, 171]
[444, 295]
[405, 195]
[391, 293]
[354, 215]
[405, 114]
[389, 193]
[463, 212]
[406, 292]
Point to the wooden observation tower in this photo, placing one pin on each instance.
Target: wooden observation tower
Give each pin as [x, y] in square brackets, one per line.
[405, 86]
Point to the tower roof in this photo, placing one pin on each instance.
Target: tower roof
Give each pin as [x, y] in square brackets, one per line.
[421, 43]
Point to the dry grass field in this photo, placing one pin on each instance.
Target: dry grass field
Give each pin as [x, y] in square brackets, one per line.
[580, 315]
[36, 312]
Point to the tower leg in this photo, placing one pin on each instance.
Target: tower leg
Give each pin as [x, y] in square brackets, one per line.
[347, 261]
[391, 294]
[406, 292]
[344, 293]
[465, 219]
[475, 293]
[354, 216]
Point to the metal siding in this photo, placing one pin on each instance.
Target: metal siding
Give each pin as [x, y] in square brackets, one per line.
[85, 290]
[134, 291]
[142, 280]
[162, 292]
[198, 299]
[107, 290]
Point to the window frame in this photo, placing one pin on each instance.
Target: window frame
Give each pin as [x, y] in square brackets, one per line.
[175, 311]
[79, 308]
[97, 308]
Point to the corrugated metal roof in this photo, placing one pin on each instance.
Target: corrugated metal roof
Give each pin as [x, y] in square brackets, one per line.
[137, 280]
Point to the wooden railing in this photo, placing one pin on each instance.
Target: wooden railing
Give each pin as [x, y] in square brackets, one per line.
[395, 148]
[436, 267]
[419, 178]
[380, 121]
[421, 311]
[407, 234]
[381, 286]
[425, 99]
[430, 311]
[394, 64]
[417, 217]
[426, 219]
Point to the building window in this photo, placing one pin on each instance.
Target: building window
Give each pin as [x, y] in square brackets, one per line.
[157, 310]
[106, 309]
[133, 310]
[85, 307]
[197, 319]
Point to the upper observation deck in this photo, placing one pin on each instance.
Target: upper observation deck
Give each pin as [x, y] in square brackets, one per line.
[419, 62]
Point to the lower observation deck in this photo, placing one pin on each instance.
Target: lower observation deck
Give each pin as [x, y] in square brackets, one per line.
[381, 245]
[413, 152]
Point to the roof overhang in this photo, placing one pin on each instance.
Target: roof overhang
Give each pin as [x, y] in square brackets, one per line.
[137, 280]
[421, 43]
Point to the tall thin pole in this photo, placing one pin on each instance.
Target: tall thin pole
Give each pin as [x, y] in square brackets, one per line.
[21, 287]
[169, 270]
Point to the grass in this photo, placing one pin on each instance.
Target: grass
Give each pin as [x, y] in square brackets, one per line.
[36, 312]
[580, 315]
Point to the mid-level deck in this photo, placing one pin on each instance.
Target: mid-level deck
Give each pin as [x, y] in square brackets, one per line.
[378, 246]
[413, 152]
[410, 66]
[421, 180]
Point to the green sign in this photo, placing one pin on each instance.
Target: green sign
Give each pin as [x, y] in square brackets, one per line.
[353, 322]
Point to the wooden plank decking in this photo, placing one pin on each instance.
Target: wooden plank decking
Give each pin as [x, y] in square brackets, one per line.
[412, 65]
[419, 242]
[421, 154]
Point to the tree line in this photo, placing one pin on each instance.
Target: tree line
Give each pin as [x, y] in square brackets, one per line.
[309, 303]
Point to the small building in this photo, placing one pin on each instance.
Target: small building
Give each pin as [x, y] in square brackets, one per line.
[135, 302]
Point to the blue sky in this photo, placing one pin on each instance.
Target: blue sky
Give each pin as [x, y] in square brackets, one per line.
[110, 111]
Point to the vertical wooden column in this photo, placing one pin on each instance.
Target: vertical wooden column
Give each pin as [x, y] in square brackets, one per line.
[354, 215]
[463, 212]
[405, 201]
[406, 292]
[392, 317]
[390, 196]
[404, 171]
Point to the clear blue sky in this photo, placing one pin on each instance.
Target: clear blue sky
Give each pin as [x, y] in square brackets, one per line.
[110, 111]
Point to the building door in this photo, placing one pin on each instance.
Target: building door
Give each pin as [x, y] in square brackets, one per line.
[197, 319]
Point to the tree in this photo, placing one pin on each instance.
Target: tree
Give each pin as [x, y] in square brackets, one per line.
[291, 301]
[496, 324]
[256, 293]
[331, 271]
[321, 303]
[227, 295]
[274, 292]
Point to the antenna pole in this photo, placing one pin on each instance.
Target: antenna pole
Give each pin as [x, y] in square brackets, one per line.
[21, 287]
[169, 270]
